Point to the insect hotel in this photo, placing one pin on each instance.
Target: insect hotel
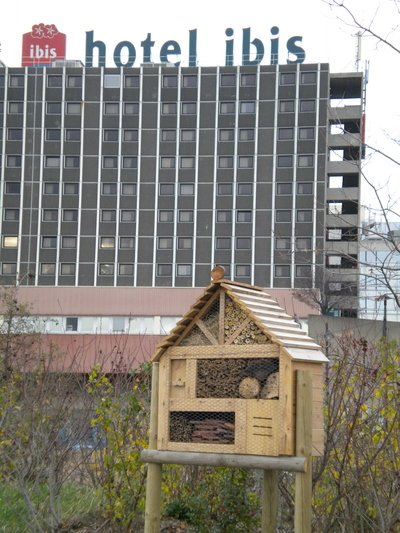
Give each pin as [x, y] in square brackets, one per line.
[227, 375]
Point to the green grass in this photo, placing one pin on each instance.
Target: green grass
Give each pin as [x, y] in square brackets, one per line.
[80, 506]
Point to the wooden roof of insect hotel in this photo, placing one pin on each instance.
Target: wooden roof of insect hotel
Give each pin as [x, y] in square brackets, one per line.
[279, 327]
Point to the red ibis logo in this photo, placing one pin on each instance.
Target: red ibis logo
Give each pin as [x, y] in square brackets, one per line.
[43, 45]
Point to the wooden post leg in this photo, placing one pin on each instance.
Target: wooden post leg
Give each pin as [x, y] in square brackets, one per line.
[269, 501]
[154, 471]
[303, 483]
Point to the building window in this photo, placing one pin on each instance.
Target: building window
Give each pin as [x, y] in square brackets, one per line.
[14, 161]
[247, 80]
[306, 133]
[168, 108]
[286, 106]
[52, 161]
[308, 78]
[47, 269]
[17, 108]
[53, 135]
[73, 108]
[304, 188]
[170, 81]
[165, 216]
[53, 108]
[285, 161]
[11, 214]
[285, 134]
[112, 81]
[108, 215]
[303, 244]
[131, 81]
[126, 270]
[168, 135]
[167, 162]
[224, 216]
[9, 269]
[288, 78]
[246, 161]
[110, 162]
[306, 161]
[183, 270]
[13, 187]
[128, 189]
[185, 216]
[223, 243]
[227, 108]
[282, 244]
[119, 323]
[246, 135]
[303, 271]
[49, 242]
[247, 107]
[71, 188]
[131, 135]
[128, 215]
[242, 271]
[70, 215]
[334, 234]
[283, 188]
[109, 189]
[131, 108]
[110, 135]
[167, 189]
[107, 242]
[243, 243]
[186, 189]
[304, 215]
[71, 323]
[10, 242]
[73, 135]
[307, 106]
[54, 81]
[14, 134]
[189, 80]
[129, 162]
[164, 270]
[72, 161]
[106, 269]
[282, 271]
[187, 162]
[74, 81]
[188, 135]
[225, 161]
[244, 216]
[228, 80]
[185, 243]
[68, 242]
[227, 135]
[165, 243]
[283, 215]
[188, 108]
[224, 189]
[127, 242]
[111, 108]
[245, 189]
[51, 188]
[50, 215]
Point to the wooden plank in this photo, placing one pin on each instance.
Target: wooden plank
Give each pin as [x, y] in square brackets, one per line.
[206, 332]
[221, 325]
[269, 501]
[178, 380]
[295, 464]
[204, 404]
[286, 399]
[154, 471]
[256, 350]
[163, 402]
[238, 330]
[303, 481]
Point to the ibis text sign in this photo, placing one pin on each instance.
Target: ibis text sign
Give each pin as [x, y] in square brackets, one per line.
[253, 50]
[42, 45]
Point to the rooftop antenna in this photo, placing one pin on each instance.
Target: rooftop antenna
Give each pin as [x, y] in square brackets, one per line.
[358, 50]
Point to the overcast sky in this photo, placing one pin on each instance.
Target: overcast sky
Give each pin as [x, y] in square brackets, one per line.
[326, 38]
